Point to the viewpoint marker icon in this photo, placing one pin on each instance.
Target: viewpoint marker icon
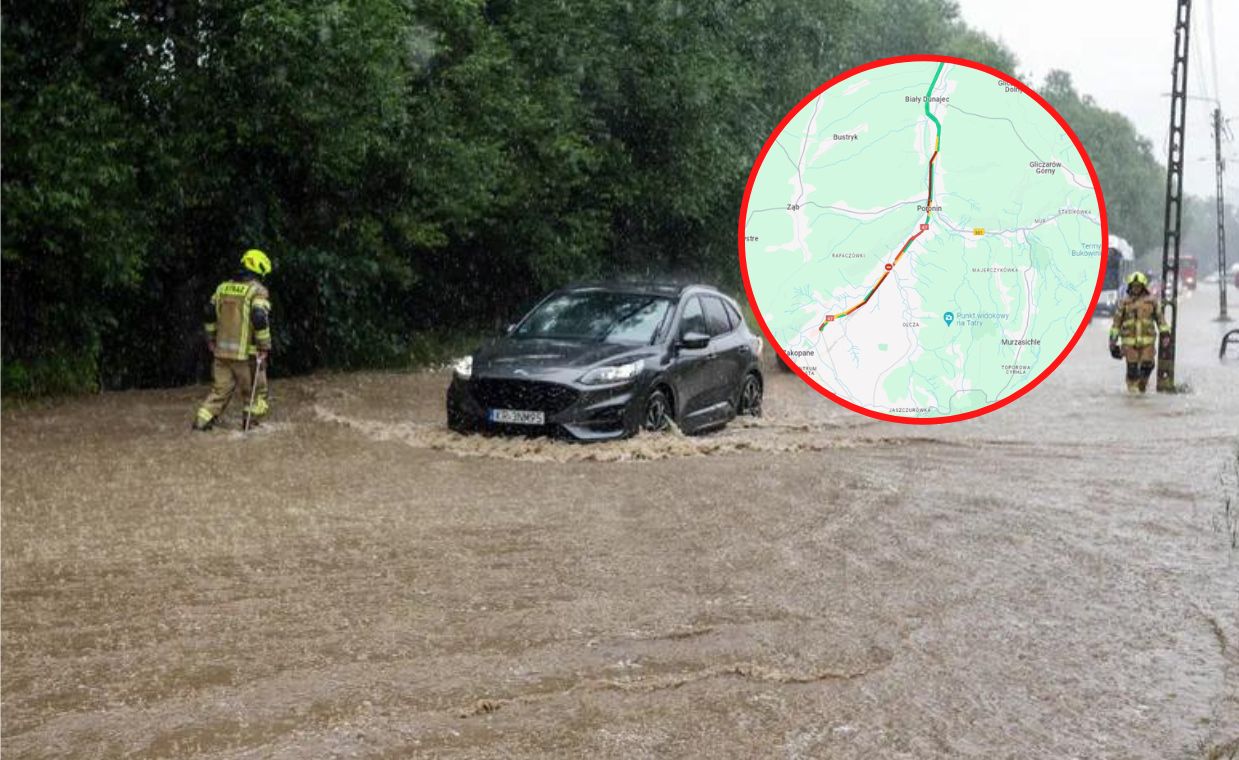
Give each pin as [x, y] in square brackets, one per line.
[948, 317]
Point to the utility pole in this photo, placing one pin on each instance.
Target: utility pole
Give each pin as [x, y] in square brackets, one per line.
[1221, 217]
[1174, 196]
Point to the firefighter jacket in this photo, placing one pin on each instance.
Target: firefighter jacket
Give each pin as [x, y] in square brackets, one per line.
[238, 319]
[1138, 320]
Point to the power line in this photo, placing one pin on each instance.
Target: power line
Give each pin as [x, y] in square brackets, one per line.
[1203, 85]
[1217, 85]
[1207, 82]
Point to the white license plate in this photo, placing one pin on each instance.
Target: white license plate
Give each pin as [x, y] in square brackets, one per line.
[517, 417]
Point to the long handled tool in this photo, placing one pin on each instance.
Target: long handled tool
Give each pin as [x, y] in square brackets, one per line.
[249, 410]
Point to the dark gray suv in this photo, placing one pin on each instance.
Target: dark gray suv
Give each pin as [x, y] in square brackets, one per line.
[599, 361]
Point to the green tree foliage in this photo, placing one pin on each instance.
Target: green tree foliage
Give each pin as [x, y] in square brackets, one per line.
[73, 241]
[411, 167]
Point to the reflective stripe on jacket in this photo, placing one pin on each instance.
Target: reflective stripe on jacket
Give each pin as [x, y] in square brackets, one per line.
[241, 327]
[1138, 320]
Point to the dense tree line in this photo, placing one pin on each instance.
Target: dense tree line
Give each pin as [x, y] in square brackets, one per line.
[411, 166]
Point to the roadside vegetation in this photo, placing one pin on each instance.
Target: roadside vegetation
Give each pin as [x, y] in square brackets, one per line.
[417, 171]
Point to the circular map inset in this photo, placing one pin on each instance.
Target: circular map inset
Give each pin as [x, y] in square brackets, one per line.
[922, 239]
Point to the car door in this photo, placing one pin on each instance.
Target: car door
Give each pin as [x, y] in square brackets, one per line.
[690, 375]
[730, 351]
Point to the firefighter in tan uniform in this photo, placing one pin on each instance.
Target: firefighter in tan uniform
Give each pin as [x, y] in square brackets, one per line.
[238, 329]
[1139, 325]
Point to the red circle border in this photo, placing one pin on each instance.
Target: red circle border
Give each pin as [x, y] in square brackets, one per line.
[1101, 205]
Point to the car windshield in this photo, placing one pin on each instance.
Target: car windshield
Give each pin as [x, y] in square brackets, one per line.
[598, 316]
[1114, 271]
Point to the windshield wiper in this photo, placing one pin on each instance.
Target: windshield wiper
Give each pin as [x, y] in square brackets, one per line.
[624, 318]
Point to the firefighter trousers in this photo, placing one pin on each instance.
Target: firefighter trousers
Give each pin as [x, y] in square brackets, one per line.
[228, 377]
[1139, 367]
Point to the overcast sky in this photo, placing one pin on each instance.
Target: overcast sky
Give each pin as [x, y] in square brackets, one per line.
[1120, 51]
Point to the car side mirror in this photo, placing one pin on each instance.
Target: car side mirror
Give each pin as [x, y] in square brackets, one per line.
[694, 340]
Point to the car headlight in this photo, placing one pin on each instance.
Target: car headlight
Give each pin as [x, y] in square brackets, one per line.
[617, 374]
[463, 367]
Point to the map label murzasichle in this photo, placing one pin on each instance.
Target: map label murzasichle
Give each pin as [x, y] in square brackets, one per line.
[947, 196]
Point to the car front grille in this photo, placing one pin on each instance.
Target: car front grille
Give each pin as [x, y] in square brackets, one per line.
[527, 395]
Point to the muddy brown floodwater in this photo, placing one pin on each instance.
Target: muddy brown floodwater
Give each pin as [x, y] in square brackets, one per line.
[1057, 579]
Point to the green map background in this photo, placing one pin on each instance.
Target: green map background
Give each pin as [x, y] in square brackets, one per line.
[991, 132]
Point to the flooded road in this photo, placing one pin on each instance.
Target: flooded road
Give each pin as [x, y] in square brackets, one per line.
[1056, 579]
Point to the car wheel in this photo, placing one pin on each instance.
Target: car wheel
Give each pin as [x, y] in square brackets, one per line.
[657, 415]
[750, 396]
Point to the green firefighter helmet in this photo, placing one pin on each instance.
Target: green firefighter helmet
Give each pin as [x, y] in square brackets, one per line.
[257, 262]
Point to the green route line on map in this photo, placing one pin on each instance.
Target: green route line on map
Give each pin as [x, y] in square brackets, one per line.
[923, 226]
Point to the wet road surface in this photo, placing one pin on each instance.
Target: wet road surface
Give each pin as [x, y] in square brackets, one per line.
[1056, 579]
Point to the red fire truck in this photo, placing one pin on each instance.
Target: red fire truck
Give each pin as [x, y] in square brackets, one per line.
[1187, 272]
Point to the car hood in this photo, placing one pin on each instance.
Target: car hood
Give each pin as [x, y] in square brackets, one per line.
[504, 357]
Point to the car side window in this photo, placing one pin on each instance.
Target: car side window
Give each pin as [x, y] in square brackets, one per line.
[716, 317]
[693, 319]
[733, 316]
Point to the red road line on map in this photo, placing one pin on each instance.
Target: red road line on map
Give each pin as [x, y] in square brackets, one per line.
[924, 226]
